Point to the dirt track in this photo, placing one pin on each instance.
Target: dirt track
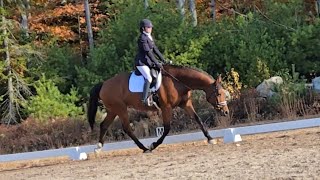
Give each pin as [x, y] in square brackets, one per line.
[281, 155]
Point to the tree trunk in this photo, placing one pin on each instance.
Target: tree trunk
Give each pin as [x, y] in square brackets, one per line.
[180, 5]
[25, 7]
[192, 7]
[318, 8]
[80, 40]
[146, 4]
[88, 22]
[213, 8]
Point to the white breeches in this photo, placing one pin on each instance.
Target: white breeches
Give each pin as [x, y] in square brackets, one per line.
[145, 71]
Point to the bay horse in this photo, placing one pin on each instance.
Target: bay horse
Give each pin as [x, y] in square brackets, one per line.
[177, 83]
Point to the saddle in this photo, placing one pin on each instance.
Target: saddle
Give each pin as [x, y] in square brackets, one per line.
[136, 82]
[154, 75]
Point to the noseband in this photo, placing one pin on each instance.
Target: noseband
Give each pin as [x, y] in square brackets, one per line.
[219, 104]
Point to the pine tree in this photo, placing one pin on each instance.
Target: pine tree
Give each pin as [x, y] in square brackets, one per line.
[14, 88]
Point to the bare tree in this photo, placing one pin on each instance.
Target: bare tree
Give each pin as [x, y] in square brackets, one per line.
[23, 7]
[88, 22]
[192, 7]
[24, 11]
[146, 4]
[180, 5]
[318, 7]
[213, 8]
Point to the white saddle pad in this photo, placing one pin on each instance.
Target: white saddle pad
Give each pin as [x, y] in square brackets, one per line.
[136, 83]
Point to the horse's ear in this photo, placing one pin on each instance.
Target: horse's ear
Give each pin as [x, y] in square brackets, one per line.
[219, 79]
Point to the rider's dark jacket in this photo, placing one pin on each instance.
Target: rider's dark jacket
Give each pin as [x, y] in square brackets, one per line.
[146, 51]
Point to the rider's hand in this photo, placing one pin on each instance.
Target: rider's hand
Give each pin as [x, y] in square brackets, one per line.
[167, 61]
[159, 65]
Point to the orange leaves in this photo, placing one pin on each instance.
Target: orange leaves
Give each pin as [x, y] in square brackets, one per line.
[68, 9]
[63, 32]
[62, 21]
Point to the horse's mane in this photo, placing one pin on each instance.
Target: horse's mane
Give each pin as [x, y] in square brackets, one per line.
[191, 68]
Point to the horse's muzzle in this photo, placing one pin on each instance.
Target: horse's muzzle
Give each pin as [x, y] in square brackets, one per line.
[225, 113]
[223, 108]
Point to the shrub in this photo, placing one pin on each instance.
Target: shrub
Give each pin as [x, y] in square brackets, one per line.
[32, 135]
[289, 97]
[50, 102]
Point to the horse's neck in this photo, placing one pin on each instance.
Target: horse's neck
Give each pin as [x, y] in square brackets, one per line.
[192, 78]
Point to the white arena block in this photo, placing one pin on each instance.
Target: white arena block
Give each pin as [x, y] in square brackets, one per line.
[83, 156]
[76, 154]
[231, 136]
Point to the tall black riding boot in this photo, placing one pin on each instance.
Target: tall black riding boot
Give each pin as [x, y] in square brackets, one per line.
[145, 94]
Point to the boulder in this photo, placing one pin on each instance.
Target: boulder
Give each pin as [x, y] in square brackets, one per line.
[266, 88]
[316, 84]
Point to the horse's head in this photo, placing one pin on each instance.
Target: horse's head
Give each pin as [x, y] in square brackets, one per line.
[217, 97]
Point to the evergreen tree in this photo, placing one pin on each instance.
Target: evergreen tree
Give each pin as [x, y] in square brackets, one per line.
[14, 87]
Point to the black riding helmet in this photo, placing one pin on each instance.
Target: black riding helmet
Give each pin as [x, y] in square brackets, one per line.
[145, 23]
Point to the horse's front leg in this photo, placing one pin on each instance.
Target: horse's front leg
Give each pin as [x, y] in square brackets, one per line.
[127, 129]
[188, 107]
[166, 117]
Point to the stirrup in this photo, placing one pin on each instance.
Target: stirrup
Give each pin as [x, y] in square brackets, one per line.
[147, 102]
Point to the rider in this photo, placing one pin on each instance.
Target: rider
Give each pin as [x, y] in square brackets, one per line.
[145, 59]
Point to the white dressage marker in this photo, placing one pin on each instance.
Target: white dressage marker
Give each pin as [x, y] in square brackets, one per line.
[230, 136]
[159, 131]
[77, 154]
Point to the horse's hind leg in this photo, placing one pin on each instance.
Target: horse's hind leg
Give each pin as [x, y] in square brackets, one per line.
[188, 107]
[127, 129]
[104, 125]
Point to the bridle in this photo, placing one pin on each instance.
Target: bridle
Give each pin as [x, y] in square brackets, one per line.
[213, 94]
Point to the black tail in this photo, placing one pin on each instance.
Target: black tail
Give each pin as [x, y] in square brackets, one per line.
[93, 104]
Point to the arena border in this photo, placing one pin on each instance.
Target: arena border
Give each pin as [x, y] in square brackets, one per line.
[229, 135]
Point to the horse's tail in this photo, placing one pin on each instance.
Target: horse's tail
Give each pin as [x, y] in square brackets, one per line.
[93, 104]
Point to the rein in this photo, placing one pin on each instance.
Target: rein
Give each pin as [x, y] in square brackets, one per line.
[176, 79]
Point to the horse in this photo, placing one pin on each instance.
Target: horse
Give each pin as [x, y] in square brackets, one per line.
[175, 91]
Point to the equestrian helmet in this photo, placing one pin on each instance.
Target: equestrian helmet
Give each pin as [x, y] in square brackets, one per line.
[145, 23]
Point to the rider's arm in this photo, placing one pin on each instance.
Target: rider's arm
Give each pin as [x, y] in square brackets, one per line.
[158, 53]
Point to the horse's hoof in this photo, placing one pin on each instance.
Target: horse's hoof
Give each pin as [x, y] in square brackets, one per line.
[147, 151]
[151, 147]
[99, 145]
[97, 150]
[213, 141]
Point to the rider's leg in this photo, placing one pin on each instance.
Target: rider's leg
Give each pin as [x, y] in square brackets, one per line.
[159, 80]
[145, 94]
[145, 71]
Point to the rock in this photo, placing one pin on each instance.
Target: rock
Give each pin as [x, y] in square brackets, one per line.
[266, 88]
[316, 84]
